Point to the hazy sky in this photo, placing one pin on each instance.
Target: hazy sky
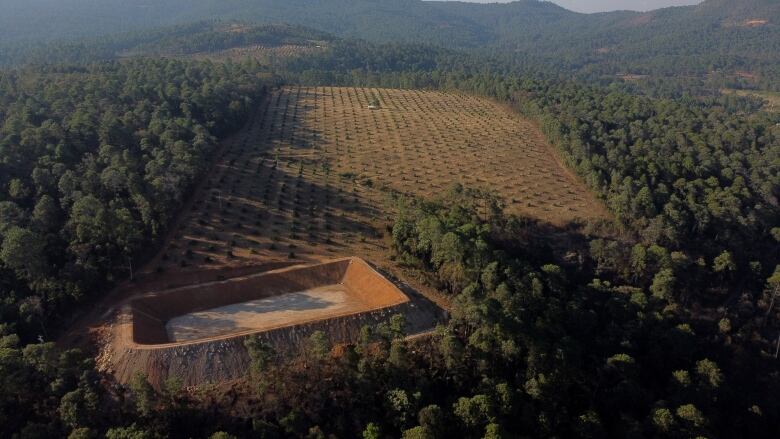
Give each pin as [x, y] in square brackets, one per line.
[610, 5]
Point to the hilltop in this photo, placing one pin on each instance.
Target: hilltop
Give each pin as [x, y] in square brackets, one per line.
[716, 37]
[448, 23]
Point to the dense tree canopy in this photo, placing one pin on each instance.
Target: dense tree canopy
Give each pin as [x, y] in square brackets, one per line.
[714, 40]
[94, 162]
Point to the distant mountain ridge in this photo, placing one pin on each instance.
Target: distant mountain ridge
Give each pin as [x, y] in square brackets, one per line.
[714, 36]
[447, 23]
[729, 10]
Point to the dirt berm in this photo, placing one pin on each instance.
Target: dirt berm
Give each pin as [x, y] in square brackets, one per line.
[140, 340]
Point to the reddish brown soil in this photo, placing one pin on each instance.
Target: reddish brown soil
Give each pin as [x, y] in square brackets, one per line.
[755, 23]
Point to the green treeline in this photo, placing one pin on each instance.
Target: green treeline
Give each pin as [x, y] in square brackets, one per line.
[94, 162]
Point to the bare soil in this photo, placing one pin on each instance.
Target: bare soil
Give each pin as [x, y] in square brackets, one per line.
[261, 314]
[313, 177]
[755, 22]
[310, 292]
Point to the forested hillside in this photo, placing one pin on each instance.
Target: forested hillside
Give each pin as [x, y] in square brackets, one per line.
[739, 46]
[171, 41]
[452, 23]
[93, 164]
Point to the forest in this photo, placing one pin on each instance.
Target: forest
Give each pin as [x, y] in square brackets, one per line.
[663, 323]
[94, 163]
[707, 43]
[532, 348]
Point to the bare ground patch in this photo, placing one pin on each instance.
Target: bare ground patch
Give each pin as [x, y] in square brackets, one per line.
[260, 314]
[312, 177]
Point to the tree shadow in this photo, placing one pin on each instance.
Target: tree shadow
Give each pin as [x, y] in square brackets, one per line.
[256, 201]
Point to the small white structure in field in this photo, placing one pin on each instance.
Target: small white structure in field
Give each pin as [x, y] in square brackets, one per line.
[373, 107]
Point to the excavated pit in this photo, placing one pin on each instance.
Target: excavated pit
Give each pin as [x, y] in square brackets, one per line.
[196, 333]
[266, 313]
[261, 302]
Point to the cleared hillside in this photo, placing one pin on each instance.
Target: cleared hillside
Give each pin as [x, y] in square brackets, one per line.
[315, 174]
[454, 24]
[692, 42]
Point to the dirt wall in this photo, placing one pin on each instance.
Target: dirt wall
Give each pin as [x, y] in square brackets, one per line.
[172, 303]
[147, 329]
[370, 286]
[227, 359]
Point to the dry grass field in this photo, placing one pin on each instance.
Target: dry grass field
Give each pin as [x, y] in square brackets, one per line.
[311, 177]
